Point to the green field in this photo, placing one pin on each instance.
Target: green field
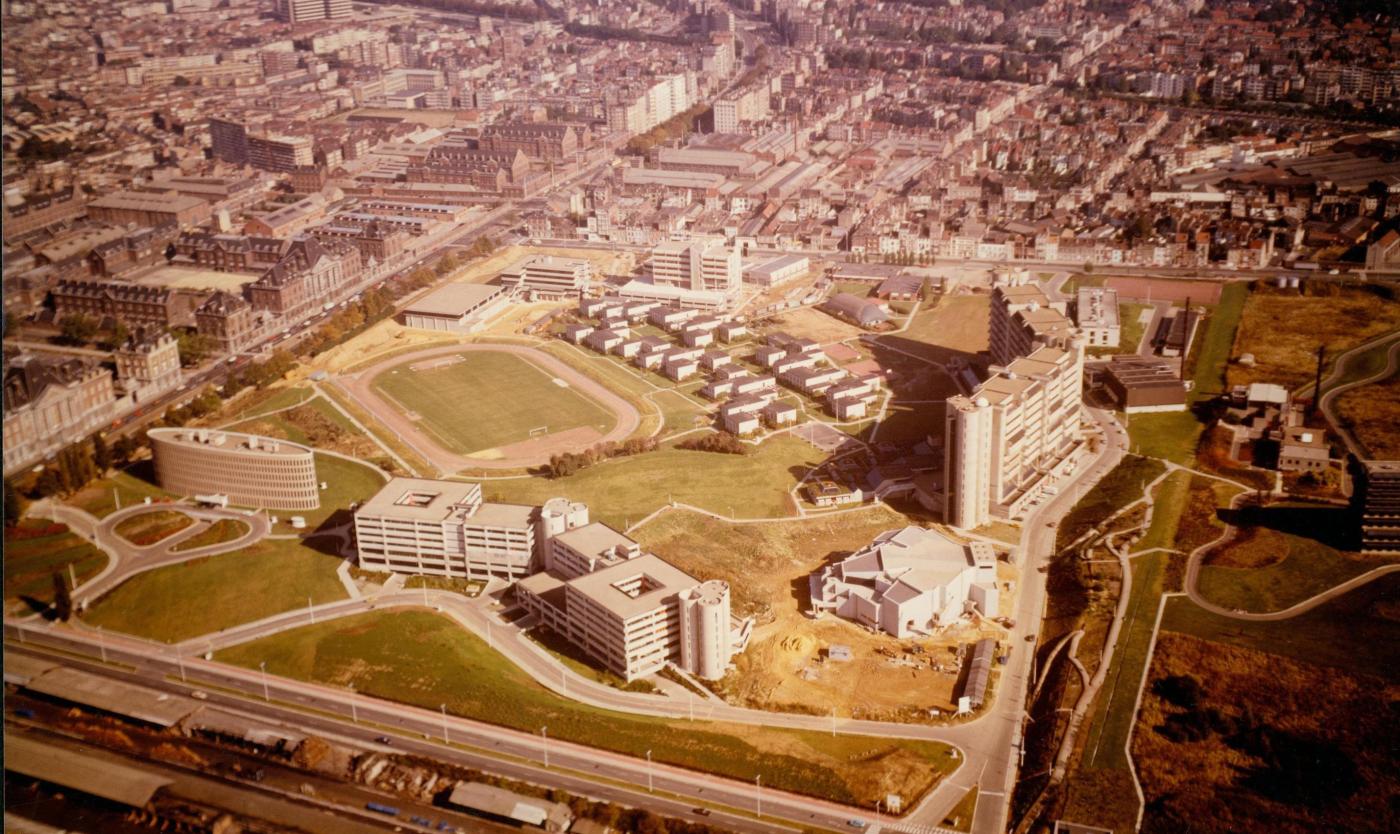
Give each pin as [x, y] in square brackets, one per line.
[1358, 631]
[223, 530]
[488, 400]
[346, 482]
[1291, 569]
[424, 659]
[955, 326]
[624, 490]
[215, 592]
[37, 548]
[148, 528]
[1119, 488]
[125, 487]
[1114, 708]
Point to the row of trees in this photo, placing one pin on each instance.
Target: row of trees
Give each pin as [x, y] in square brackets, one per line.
[74, 468]
[567, 463]
[722, 442]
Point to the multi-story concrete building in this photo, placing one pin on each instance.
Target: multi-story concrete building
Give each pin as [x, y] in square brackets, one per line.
[909, 582]
[444, 528]
[50, 403]
[280, 153]
[252, 470]
[1023, 319]
[1012, 436]
[1096, 314]
[696, 265]
[548, 276]
[148, 364]
[300, 11]
[1376, 500]
[635, 615]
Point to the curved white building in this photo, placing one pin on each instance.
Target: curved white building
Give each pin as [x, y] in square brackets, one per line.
[705, 629]
[252, 470]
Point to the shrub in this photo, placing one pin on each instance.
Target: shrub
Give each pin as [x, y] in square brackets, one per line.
[721, 442]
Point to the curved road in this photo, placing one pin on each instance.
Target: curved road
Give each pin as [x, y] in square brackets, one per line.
[1325, 402]
[359, 386]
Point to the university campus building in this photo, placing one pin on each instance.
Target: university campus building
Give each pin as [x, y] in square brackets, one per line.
[51, 402]
[252, 470]
[444, 528]
[909, 581]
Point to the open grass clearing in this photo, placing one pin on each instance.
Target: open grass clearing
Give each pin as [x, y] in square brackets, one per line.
[1119, 488]
[1284, 330]
[387, 438]
[812, 323]
[955, 325]
[1256, 743]
[205, 595]
[346, 483]
[1358, 632]
[148, 528]
[1264, 569]
[624, 490]
[425, 659]
[123, 488]
[36, 549]
[485, 400]
[221, 531]
[960, 818]
[319, 424]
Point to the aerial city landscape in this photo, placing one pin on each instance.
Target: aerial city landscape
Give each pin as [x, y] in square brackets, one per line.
[689, 416]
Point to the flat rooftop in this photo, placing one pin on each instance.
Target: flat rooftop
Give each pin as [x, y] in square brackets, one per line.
[116, 697]
[72, 769]
[661, 580]
[454, 299]
[593, 539]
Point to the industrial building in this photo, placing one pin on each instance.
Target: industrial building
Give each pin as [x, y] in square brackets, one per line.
[456, 308]
[1140, 384]
[252, 470]
[910, 581]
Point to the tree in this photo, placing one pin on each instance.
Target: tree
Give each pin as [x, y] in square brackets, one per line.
[14, 504]
[1088, 267]
[118, 336]
[77, 329]
[193, 347]
[49, 482]
[62, 597]
[101, 453]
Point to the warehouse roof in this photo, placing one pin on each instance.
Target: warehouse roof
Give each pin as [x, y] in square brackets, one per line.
[116, 697]
[454, 300]
[80, 771]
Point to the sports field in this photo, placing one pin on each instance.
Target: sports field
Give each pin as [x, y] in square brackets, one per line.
[471, 402]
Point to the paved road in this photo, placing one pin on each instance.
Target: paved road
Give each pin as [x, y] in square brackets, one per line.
[1331, 390]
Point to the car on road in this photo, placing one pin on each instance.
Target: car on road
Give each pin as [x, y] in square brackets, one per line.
[857, 823]
[199, 695]
[704, 812]
[383, 740]
[1052, 524]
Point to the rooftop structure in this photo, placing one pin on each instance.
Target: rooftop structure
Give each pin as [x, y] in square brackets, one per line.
[909, 581]
[456, 308]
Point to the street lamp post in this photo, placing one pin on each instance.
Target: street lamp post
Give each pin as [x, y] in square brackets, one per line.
[833, 722]
[445, 740]
[650, 785]
[544, 743]
[262, 665]
[354, 713]
[311, 610]
[180, 661]
[758, 794]
[101, 644]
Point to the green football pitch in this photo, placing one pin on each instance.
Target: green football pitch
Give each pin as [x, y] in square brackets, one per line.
[483, 400]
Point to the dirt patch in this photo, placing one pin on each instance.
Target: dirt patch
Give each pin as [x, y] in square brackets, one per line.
[1161, 289]
[545, 445]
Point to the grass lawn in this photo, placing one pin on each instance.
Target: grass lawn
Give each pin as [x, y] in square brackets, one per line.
[1112, 717]
[204, 595]
[1269, 570]
[624, 490]
[1117, 489]
[960, 818]
[1168, 502]
[678, 412]
[1170, 435]
[223, 530]
[145, 529]
[268, 400]
[37, 548]
[127, 487]
[957, 324]
[346, 482]
[487, 400]
[1212, 355]
[419, 466]
[1365, 364]
[1358, 631]
[421, 658]
[1283, 330]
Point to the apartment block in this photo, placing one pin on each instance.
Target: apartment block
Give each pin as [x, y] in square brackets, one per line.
[1023, 319]
[1012, 437]
[300, 11]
